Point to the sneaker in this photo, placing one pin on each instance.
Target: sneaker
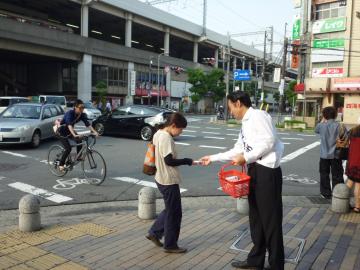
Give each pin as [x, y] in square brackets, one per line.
[155, 240]
[328, 197]
[244, 265]
[175, 250]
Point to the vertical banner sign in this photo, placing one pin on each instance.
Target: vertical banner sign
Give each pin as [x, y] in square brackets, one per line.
[295, 55]
[132, 82]
[281, 87]
[296, 31]
[277, 74]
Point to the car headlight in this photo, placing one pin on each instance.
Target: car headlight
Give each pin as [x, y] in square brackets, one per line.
[155, 120]
[22, 128]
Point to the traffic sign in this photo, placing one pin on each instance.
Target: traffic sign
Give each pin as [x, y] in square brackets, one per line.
[242, 75]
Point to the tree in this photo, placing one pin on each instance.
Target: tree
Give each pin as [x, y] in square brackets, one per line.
[211, 84]
[101, 91]
[290, 93]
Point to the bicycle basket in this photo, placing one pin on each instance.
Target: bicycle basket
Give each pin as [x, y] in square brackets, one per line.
[233, 182]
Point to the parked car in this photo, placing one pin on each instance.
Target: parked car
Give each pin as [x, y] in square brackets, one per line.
[132, 120]
[91, 112]
[28, 123]
[50, 99]
[8, 101]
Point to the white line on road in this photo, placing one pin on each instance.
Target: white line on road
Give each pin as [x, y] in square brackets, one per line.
[14, 154]
[283, 133]
[210, 132]
[237, 135]
[185, 135]
[231, 129]
[193, 127]
[299, 152]
[140, 182]
[295, 139]
[216, 138]
[209, 146]
[186, 130]
[286, 143]
[48, 195]
[307, 135]
[212, 128]
[182, 143]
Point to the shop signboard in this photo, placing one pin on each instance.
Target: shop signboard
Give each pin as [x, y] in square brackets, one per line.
[347, 83]
[329, 43]
[296, 31]
[329, 25]
[324, 55]
[132, 82]
[327, 72]
[295, 55]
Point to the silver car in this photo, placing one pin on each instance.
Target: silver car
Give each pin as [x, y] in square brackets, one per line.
[28, 123]
[91, 112]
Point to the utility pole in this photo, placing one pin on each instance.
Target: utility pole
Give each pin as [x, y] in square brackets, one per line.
[227, 56]
[271, 42]
[263, 68]
[204, 18]
[243, 68]
[283, 72]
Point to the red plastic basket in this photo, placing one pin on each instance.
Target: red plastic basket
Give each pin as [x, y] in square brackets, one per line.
[233, 182]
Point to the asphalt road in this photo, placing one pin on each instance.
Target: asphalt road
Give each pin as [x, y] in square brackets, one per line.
[24, 170]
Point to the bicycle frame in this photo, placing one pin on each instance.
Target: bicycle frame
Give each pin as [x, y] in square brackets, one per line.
[85, 149]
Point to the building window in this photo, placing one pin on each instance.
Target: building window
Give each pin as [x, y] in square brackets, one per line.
[69, 77]
[330, 10]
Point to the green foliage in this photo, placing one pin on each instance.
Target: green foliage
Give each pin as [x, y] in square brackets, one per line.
[211, 84]
[290, 93]
[101, 91]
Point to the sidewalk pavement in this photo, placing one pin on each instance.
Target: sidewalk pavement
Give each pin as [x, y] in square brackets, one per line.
[111, 236]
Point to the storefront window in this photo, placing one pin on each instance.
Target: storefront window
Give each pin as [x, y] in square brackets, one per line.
[330, 10]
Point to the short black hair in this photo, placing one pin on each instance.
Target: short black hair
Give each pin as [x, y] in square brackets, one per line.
[329, 113]
[78, 102]
[241, 96]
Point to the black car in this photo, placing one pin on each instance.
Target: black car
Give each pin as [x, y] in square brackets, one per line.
[132, 121]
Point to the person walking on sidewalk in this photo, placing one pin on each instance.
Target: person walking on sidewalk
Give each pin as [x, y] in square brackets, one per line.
[328, 129]
[168, 178]
[353, 165]
[259, 147]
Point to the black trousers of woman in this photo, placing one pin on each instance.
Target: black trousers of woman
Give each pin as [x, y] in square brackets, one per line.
[66, 144]
[337, 172]
[168, 222]
[265, 216]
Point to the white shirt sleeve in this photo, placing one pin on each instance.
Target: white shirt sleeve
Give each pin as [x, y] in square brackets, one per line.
[229, 155]
[263, 138]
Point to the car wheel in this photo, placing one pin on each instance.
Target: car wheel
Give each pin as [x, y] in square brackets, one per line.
[35, 140]
[99, 128]
[146, 133]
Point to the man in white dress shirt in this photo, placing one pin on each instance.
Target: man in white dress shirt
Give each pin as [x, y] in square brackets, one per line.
[259, 147]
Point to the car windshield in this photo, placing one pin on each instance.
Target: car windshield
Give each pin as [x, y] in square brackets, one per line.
[22, 111]
[88, 105]
[55, 100]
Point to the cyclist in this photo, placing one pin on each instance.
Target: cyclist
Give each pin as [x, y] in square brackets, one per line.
[67, 132]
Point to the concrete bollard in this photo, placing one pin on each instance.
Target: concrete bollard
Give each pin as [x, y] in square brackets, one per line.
[242, 205]
[147, 203]
[340, 199]
[29, 218]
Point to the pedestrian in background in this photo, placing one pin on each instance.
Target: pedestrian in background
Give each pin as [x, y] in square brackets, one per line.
[108, 106]
[353, 165]
[259, 147]
[168, 178]
[328, 129]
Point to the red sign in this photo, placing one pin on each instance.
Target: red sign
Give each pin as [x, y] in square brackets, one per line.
[295, 54]
[347, 83]
[352, 106]
[327, 72]
[299, 88]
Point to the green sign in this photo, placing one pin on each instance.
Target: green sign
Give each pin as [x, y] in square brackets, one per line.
[296, 29]
[329, 25]
[329, 43]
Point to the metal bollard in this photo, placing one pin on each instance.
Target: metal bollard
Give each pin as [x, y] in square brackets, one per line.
[340, 199]
[29, 218]
[242, 205]
[147, 203]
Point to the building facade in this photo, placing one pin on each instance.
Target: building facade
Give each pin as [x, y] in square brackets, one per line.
[328, 35]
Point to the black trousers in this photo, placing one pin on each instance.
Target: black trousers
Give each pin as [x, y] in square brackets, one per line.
[65, 142]
[265, 216]
[337, 172]
[168, 222]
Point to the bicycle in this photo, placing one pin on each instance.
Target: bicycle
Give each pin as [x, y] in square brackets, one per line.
[92, 163]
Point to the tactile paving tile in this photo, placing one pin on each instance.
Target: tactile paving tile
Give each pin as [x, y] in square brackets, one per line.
[55, 229]
[13, 249]
[351, 217]
[8, 241]
[21, 267]
[28, 253]
[69, 234]
[6, 262]
[70, 265]
[92, 229]
[46, 262]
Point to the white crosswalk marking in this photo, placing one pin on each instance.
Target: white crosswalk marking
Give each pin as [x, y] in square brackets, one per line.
[231, 129]
[212, 128]
[236, 135]
[295, 139]
[141, 182]
[187, 130]
[215, 138]
[209, 146]
[186, 135]
[181, 143]
[48, 195]
[299, 152]
[210, 132]
[14, 154]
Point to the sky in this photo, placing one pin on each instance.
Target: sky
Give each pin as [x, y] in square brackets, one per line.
[238, 16]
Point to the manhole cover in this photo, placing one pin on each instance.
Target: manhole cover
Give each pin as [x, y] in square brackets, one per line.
[318, 200]
[293, 246]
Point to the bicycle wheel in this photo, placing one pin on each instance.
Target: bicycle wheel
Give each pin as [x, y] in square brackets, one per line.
[54, 156]
[94, 167]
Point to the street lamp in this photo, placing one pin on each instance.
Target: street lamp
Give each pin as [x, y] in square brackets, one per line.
[150, 83]
[158, 77]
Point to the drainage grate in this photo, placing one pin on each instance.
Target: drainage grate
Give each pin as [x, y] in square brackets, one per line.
[318, 200]
[293, 246]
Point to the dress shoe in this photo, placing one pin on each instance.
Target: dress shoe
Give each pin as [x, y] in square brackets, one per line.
[155, 240]
[244, 265]
[175, 250]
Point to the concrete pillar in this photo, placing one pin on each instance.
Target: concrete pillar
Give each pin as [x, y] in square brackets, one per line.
[131, 83]
[84, 20]
[128, 30]
[84, 78]
[216, 58]
[340, 199]
[29, 218]
[196, 52]
[167, 41]
[147, 203]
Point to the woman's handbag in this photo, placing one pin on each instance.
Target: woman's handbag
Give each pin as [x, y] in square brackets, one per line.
[342, 144]
[149, 167]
